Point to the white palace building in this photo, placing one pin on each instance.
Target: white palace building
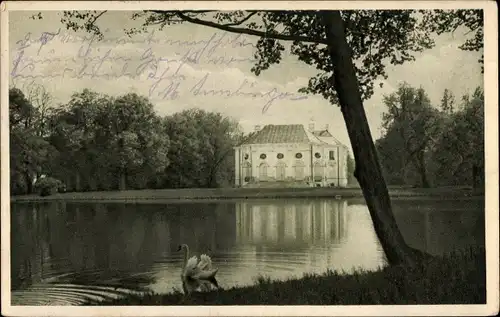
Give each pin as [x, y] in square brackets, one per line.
[291, 155]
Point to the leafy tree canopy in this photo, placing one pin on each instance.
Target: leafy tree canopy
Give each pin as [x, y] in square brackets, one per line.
[444, 21]
[376, 37]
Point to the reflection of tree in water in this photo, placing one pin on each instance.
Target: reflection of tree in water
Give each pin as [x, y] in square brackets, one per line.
[105, 243]
[291, 224]
[31, 248]
[441, 226]
[134, 246]
[204, 227]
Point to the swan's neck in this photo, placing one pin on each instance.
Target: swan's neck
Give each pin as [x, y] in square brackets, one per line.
[186, 255]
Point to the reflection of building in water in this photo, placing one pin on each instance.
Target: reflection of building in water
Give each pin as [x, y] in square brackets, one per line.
[314, 222]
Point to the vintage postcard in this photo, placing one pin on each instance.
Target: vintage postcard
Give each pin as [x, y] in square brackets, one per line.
[249, 158]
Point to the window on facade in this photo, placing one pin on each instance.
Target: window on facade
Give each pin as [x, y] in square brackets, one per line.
[246, 156]
[263, 172]
[280, 156]
[263, 156]
[332, 172]
[247, 171]
[319, 172]
[280, 171]
[332, 155]
[298, 155]
[317, 155]
[299, 170]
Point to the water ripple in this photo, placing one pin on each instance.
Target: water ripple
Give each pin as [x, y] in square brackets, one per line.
[67, 294]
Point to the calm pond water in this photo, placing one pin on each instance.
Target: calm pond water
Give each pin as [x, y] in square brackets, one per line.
[69, 253]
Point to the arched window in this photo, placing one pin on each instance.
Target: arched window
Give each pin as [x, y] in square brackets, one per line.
[299, 170]
[280, 171]
[247, 171]
[319, 171]
[263, 171]
[332, 170]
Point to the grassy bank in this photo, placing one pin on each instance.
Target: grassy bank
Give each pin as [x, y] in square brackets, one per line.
[246, 193]
[458, 278]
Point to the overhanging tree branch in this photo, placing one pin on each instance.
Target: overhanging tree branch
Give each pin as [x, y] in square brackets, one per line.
[247, 31]
[94, 19]
[242, 20]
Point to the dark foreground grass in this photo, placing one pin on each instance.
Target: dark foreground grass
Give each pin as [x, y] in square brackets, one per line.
[458, 278]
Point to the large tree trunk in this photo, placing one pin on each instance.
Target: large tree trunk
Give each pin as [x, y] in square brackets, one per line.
[29, 183]
[77, 182]
[420, 165]
[122, 185]
[368, 170]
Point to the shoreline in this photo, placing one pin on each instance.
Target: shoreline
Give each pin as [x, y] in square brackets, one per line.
[456, 278]
[229, 194]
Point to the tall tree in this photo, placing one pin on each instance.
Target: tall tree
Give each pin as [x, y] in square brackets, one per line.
[201, 144]
[448, 102]
[74, 129]
[108, 143]
[417, 123]
[459, 152]
[329, 40]
[394, 158]
[135, 143]
[29, 151]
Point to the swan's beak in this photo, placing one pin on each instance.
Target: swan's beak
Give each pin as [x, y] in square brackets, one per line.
[179, 248]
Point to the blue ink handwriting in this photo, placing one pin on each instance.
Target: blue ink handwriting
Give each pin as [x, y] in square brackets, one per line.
[166, 76]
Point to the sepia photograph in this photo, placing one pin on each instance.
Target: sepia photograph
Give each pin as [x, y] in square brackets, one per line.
[249, 158]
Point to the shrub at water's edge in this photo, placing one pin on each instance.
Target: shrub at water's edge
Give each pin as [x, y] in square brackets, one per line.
[458, 278]
[47, 186]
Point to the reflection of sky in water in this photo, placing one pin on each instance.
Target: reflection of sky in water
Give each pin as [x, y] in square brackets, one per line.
[87, 250]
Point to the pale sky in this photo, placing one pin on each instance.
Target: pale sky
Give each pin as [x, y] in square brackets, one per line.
[444, 66]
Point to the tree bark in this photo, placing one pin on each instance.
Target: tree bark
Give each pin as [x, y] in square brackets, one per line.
[420, 165]
[92, 183]
[123, 181]
[368, 171]
[77, 182]
[29, 183]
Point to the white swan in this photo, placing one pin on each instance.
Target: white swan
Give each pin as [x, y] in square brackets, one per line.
[197, 275]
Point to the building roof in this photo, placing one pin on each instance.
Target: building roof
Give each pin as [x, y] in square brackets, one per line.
[322, 133]
[291, 133]
[326, 137]
[287, 133]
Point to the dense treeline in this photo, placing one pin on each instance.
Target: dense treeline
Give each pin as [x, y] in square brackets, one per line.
[99, 142]
[427, 145]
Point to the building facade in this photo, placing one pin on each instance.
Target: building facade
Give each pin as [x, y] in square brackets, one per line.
[292, 154]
